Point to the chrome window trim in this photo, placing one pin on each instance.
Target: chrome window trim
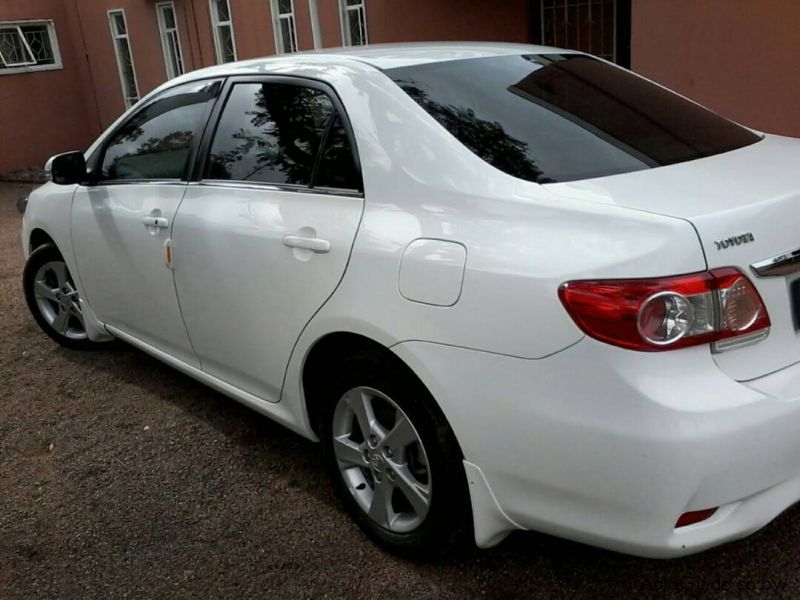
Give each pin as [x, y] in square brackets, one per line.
[107, 182]
[276, 187]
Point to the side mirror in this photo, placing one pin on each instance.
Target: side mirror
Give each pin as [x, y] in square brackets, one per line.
[66, 169]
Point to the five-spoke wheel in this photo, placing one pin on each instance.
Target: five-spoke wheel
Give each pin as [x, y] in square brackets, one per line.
[382, 459]
[58, 301]
[393, 456]
[53, 298]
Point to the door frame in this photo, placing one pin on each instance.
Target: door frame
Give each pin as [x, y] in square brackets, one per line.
[201, 157]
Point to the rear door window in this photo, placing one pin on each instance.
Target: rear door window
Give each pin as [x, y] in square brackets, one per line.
[337, 168]
[563, 117]
[269, 133]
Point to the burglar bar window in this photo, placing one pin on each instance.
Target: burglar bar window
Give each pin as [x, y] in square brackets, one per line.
[122, 50]
[354, 22]
[283, 22]
[28, 46]
[585, 25]
[170, 40]
[224, 43]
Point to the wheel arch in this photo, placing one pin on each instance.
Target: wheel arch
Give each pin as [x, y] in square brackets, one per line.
[327, 352]
[38, 238]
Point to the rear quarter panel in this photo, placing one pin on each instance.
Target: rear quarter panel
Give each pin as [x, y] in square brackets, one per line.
[521, 241]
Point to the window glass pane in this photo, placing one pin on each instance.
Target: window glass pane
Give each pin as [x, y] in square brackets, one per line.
[269, 133]
[12, 49]
[174, 54]
[550, 118]
[287, 35]
[38, 38]
[226, 43]
[169, 17]
[353, 18]
[223, 14]
[586, 25]
[119, 23]
[126, 64]
[155, 143]
[337, 169]
[284, 6]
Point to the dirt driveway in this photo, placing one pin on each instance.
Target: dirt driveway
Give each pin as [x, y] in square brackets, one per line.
[121, 477]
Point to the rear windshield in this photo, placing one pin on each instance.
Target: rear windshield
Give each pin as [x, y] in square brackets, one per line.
[549, 118]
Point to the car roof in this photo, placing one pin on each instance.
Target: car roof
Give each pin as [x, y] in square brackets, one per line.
[380, 56]
[386, 56]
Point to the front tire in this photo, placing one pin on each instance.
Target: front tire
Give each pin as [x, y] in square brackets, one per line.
[53, 299]
[394, 460]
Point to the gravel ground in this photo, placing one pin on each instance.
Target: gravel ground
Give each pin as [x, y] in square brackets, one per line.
[120, 477]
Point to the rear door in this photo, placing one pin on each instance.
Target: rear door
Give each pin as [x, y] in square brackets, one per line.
[264, 234]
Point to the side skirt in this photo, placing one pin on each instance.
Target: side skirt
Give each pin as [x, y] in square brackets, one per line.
[277, 411]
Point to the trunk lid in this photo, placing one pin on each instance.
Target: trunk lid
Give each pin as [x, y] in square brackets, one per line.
[745, 206]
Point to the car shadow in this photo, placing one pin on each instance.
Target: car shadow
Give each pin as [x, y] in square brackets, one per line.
[266, 443]
[525, 560]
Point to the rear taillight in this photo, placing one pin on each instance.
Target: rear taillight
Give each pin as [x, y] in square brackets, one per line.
[720, 307]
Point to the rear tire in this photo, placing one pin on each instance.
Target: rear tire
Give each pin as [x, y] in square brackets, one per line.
[53, 299]
[394, 460]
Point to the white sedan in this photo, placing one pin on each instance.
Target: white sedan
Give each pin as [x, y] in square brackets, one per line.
[507, 287]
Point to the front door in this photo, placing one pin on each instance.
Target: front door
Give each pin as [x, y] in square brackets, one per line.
[121, 225]
[262, 240]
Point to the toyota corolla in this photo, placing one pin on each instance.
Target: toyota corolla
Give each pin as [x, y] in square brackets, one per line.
[507, 287]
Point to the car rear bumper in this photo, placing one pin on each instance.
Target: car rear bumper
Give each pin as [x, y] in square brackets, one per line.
[609, 447]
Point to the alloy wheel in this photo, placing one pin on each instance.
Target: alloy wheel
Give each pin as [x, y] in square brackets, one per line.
[58, 300]
[381, 459]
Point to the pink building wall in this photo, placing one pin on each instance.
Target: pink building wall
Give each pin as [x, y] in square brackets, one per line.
[738, 57]
[46, 111]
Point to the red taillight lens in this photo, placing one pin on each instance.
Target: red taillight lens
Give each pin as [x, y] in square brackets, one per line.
[670, 312]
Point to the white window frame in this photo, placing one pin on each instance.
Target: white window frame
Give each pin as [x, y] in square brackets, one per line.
[31, 65]
[216, 24]
[115, 37]
[277, 17]
[344, 11]
[165, 33]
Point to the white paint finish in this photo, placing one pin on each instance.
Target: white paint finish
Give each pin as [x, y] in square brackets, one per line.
[244, 294]
[595, 447]
[121, 261]
[720, 203]
[283, 413]
[518, 236]
[48, 210]
[492, 524]
[432, 272]
[589, 441]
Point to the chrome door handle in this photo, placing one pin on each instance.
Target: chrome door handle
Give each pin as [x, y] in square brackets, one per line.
[317, 245]
[159, 222]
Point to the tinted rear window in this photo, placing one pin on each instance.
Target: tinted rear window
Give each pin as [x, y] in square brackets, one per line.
[550, 118]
